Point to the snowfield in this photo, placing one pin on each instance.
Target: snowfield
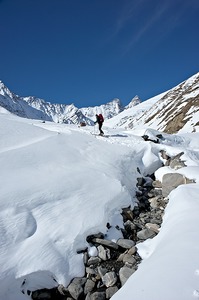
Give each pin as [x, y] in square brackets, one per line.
[60, 183]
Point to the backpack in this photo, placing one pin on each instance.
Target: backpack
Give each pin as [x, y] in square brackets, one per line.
[101, 118]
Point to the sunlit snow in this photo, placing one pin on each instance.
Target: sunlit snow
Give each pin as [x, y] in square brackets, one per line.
[60, 183]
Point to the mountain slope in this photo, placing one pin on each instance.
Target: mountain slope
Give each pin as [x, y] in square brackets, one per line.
[173, 111]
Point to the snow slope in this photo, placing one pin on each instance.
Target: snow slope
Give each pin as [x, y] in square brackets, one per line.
[60, 183]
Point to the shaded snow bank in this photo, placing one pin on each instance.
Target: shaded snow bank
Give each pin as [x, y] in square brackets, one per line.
[170, 267]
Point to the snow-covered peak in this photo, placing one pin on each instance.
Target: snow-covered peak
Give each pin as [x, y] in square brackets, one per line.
[4, 91]
[108, 110]
[135, 101]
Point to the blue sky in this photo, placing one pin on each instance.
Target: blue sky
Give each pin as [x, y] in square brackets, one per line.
[88, 52]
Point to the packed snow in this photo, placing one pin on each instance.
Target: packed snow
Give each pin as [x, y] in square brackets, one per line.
[60, 183]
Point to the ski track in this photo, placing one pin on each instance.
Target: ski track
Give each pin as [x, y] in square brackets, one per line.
[25, 144]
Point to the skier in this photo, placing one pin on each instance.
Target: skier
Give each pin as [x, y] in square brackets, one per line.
[100, 120]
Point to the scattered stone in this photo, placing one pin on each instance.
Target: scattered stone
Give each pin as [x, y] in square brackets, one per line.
[103, 253]
[157, 184]
[102, 271]
[94, 260]
[170, 181]
[129, 259]
[127, 214]
[176, 163]
[98, 296]
[106, 243]
[125, 273]
[91, 271]
[75, 290]
[145, 234]
[110, 291]
[109, 279]
[153, 227]
[164, 155]
[132, 251]
[82, 250]
[125, 243]
[89, 286]
[42, 294]
[85, 258]
[92, 236]
[62, 290]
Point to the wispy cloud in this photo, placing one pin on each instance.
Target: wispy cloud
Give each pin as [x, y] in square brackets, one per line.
[135, 21]
[129, 12]
[146, 26]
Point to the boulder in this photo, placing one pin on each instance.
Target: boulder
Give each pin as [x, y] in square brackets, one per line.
[110, 291]
[145, 234]
[109, 279]
[125, 243]
[170, 181]
[89, 286]
[125, 273]
[75, 290]
[106, 243]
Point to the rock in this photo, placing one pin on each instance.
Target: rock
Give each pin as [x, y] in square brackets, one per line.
[94, 260]
[155, 193]
[85, 258]
[62, 290]
[109, 279]
[125, 243]
[121, 256]
[155, 220]
[82, 250]
[157, 184]
[164, 155]
[127, 214]
[92, 236]
[106, 243]
[79, 280]
[129, 259]
[125, 273]
[153, 227]
[98, 296]
[140, 181]
[75, 290]
[129, 224]
[44, 294]
[170, 181]
[132, 251]
[89, 286]
[102, 271]
[145, 234]
[103, 253]
[176, 163]
[88, 296]
[110, 291]
[91, 271]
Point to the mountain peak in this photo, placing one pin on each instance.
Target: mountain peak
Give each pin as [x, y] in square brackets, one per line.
[135, 101]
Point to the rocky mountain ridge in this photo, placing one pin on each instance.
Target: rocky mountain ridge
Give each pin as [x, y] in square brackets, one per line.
[172, 111]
